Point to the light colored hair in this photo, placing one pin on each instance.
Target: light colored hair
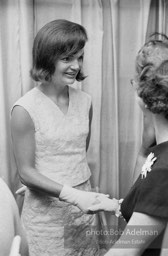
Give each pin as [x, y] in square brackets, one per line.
[152, 75]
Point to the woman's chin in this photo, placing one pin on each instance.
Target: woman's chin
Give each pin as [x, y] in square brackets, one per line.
[70, 81]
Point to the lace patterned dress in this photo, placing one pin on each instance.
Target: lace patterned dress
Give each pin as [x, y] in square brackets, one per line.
[56, 228]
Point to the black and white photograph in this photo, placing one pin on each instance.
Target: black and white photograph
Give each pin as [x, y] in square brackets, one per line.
[83, 127]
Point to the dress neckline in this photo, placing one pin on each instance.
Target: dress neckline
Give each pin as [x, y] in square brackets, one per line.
[159, 148]
[53, 103]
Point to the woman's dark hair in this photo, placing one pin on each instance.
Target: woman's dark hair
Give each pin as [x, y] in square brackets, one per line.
[57, 39]
[152, 75]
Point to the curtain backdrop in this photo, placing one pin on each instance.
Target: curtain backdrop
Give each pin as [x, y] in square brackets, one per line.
[116, 31]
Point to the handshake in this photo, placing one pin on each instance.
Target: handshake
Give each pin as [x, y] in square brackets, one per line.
[88, 202]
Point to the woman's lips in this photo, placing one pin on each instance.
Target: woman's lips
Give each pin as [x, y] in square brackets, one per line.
[71, 74]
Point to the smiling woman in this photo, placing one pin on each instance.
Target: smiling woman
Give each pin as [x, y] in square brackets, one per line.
[68, 68]
[51, 130]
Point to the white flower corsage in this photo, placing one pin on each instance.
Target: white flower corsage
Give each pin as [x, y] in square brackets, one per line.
[147, 165]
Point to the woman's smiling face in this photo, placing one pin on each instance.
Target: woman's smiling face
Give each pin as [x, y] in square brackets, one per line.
[67, 68]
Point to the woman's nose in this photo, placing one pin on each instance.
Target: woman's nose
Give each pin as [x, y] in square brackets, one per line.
[75, 64]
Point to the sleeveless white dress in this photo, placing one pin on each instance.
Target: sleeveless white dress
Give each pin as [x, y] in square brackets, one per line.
[56, 228]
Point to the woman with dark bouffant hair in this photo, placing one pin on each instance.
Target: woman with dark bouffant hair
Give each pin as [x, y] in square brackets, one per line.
[59, 39]
[51, 130]
[145, 207]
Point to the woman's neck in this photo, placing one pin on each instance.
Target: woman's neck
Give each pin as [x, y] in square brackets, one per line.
[52, 91]
[161, 128]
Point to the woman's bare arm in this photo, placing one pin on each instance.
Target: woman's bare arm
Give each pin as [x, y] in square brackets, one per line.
[139, 233]
[23, 137]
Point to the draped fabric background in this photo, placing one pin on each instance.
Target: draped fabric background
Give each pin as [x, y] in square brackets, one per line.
[116, 31]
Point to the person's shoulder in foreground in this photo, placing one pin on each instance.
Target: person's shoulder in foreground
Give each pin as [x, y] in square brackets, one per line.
[10, 224]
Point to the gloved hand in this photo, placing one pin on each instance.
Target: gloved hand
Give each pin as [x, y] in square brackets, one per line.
[21, 191]
[107, 204]
[82, 199]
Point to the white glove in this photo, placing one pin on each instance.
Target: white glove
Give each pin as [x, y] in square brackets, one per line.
[82, 199]
[21, 191]
[107, 204]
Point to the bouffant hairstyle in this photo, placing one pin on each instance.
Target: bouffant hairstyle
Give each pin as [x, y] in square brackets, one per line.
[57, 39]
[152, 75]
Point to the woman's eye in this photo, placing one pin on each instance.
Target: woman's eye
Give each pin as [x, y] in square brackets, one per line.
[66, 59]
[81, 58]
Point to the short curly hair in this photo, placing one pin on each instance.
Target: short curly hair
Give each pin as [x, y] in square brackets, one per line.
[57, 39]
[152, 75]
